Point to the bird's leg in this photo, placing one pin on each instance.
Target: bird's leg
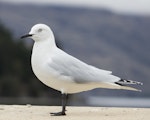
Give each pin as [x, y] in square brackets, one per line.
[64, 102]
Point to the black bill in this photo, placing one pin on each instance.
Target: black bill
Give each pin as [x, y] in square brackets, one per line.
[25, 36]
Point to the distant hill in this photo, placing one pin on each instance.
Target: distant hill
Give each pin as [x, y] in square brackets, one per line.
[111, 41]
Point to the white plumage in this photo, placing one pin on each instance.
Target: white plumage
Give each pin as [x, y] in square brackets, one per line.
[65, 73]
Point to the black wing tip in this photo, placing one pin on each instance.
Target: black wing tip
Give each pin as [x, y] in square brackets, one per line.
[123, 82]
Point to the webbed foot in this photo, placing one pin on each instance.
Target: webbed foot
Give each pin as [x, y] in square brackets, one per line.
[58, 114]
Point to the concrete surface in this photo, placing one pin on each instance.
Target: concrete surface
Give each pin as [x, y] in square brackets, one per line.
[29, 112]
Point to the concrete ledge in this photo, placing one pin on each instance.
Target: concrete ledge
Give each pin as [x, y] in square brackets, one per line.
[29, 112]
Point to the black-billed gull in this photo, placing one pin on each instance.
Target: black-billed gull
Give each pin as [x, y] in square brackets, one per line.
[65, 73]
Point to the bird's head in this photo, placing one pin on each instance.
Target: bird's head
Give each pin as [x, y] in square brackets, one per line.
[40, 32]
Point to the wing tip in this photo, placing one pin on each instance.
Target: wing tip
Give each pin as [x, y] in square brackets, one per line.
[124, 82]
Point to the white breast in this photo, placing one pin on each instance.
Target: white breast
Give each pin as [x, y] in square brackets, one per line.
[39, 60]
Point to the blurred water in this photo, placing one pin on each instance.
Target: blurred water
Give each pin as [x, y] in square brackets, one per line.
[90, 101]
[118, 102]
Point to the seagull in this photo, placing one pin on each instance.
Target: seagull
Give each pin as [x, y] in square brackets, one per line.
[65, 73]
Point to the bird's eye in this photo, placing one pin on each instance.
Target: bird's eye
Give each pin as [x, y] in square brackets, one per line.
[40, 30]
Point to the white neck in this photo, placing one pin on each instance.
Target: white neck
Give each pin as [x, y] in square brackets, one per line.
[50, 43]
[43, 48]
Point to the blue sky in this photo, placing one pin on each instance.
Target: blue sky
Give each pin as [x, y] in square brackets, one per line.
[123, 6]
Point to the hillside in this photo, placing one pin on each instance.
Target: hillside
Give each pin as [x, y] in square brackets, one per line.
[99, 37]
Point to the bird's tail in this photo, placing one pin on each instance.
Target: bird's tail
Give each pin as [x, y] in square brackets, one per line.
[122, 83]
